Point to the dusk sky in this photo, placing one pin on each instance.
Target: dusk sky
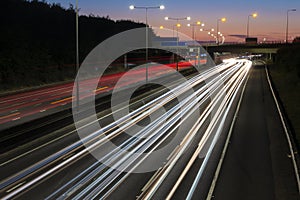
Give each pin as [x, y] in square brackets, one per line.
[270, 23]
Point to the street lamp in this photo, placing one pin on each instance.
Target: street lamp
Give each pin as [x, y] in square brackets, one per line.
[173, 28]
[209, 32]
[146, 8]
[254, 15]
[212, 30]
[77, 57]
[219, 20]
[198, 23]
[177, 19]
[287, 24]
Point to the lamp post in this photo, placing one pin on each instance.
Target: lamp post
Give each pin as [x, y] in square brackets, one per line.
[177, 19]
[77, 58]
[173, 28]
[218, 33]
[254, 15]
[198, 23]
[287, 24]
[146, 8]
[209, 32]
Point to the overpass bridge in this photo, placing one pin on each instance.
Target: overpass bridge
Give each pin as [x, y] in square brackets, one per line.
[268, 50]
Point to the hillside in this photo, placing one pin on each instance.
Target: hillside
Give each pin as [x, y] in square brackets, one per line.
[38, 41]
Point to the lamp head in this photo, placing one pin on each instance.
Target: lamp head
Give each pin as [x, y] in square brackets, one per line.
[162, 7]
[131, 7]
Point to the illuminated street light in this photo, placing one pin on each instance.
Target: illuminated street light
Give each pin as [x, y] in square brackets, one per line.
[162, 7]
[287, 24]
[219, 20]
[254, 15]
[208, 30]
[146, 8]
[177, 19]
[161, 27]
[131, 7]
[198, 23]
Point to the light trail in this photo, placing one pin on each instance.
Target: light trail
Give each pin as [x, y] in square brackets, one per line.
[224, 81]
[160, 177]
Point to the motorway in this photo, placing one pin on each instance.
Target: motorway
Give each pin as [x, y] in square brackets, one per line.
[25, 106]
[172, 154]
[258, 162]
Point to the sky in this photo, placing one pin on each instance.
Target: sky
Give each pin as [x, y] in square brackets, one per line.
[269, 25]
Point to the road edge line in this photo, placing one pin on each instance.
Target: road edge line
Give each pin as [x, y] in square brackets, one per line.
[217, 172]
[285, 130]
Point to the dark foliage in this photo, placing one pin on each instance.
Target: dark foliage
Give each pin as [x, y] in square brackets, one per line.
[288, 59]
[38, 41]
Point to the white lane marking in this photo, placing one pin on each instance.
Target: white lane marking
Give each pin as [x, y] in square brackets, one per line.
[16, 186]
[32, 150]
[214, 181]
[53, 169]
[69, 133]
[285, 130]
[17, 118]
[205, 161]
[68, 156]
[30, 95]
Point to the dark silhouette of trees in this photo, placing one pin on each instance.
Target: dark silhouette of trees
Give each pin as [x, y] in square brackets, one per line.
[288, 60]
[37, 41]
[296, 39]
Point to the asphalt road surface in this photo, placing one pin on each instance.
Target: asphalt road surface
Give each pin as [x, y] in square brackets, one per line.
[22, 107]
[257, 164]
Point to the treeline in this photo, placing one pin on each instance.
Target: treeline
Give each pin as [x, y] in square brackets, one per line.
[37, 41]
[288, 60]
[286, 77]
